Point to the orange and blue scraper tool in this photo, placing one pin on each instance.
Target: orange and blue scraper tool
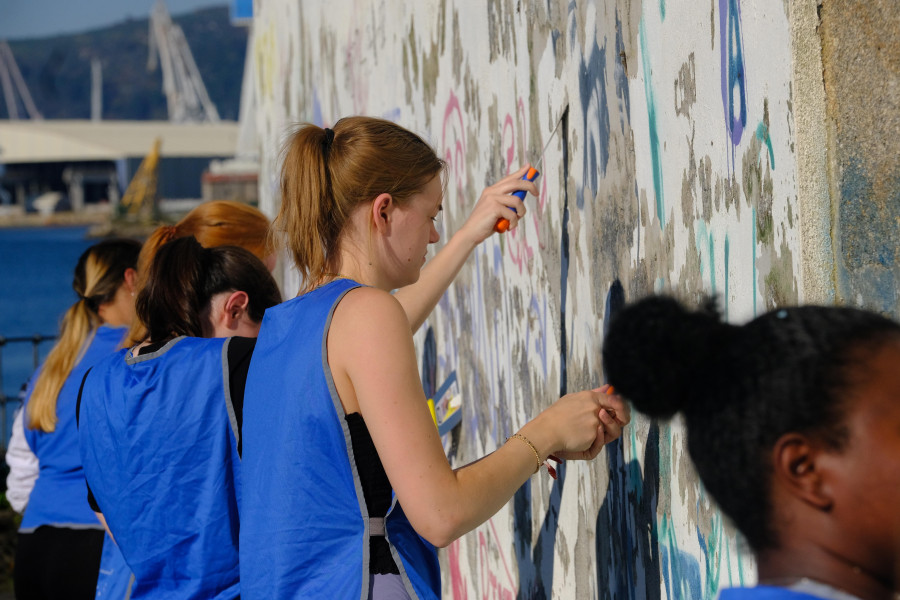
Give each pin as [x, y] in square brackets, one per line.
[530, 175]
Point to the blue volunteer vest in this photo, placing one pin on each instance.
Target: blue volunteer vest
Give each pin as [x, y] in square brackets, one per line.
[158, 443]
[763, 592]
[115, 579]
[305, 527]
[59, 497]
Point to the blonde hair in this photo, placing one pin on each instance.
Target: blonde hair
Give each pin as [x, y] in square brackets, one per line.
[98, 275]
[327, 173]
[214, 223]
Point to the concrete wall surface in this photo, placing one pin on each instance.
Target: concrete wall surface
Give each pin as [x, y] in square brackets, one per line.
[670, 166]
[861, 60]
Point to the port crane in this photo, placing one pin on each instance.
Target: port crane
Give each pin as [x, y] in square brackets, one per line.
[186, 95]
[14, 88]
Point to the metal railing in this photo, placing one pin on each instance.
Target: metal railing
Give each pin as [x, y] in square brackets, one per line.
[35, 341]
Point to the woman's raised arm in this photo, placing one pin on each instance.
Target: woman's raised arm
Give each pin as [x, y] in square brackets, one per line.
[420, 298]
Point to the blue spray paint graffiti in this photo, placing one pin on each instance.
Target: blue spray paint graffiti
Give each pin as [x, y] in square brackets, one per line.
[727, 296]
[429, 364]
[762, 134]
[705, 243]
[732, 56]
[595, 119]
[655, 157]
[621, 77]
[626, 522]
[393, 114]
[317, 109]
[681, 571]
[626, 526]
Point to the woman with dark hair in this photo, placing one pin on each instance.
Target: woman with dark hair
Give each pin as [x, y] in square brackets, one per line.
[160, 423]
[213, 223]
[793, 423]
[60, 539]
[347, 488]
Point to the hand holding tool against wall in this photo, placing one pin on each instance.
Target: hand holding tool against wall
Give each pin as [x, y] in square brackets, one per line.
[530, 175]
[610, 411]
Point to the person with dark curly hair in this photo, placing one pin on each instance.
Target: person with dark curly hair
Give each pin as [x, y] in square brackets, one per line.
[793, 423]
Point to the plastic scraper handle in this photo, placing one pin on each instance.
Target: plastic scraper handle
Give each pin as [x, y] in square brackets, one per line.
[530, 175]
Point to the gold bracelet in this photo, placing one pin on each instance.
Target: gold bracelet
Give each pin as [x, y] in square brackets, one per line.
[519, 436]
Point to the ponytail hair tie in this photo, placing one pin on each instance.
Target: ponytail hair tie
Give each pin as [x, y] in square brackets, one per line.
[169, 232]
[329, 138]
[89, 302]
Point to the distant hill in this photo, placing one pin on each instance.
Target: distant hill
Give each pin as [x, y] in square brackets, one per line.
[57, 70]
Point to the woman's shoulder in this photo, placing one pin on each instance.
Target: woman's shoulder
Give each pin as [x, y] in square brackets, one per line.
[368, 303]
[368, 319]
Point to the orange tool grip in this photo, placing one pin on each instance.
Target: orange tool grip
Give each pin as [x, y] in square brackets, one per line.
[503, 224]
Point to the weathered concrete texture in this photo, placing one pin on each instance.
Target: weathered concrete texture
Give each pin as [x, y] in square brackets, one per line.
[861, 59]
[814, 199]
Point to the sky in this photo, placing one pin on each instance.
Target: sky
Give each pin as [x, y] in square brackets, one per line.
[21, 19]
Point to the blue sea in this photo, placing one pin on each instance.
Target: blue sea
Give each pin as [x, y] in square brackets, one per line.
[36, 267]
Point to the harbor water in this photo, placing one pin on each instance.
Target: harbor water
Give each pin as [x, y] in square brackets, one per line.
[36, 267]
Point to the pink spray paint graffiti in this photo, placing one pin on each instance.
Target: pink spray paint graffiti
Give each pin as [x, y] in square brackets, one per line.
[521, 244]
[356, 59]
[457, 581]
[453, 146]
[509, 141]
[494, 579]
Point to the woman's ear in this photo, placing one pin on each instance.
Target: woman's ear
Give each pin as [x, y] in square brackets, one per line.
[796, 462]
[382, 212]
[130, 280]
[235, 307]
[227, 315]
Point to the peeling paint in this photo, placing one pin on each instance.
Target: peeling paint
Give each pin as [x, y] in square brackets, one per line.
[686, 88]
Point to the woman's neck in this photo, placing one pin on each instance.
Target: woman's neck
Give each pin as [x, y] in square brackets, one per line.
[118, 312]
[360, 268]
[111, 316]
[784, 566]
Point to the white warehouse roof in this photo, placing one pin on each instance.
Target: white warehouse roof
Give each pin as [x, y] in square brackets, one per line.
[66, 141]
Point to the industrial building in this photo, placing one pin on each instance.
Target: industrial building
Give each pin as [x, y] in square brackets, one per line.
[86, 165]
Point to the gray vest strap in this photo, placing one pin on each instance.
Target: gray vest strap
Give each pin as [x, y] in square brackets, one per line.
[376, 527]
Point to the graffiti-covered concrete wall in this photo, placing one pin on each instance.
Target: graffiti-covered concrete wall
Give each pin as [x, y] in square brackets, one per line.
[670, 165]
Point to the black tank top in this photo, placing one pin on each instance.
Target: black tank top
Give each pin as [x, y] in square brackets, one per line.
[376, 490]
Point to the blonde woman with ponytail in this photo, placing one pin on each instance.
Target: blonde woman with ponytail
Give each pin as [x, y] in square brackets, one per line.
[346, 489]
[60, 539]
